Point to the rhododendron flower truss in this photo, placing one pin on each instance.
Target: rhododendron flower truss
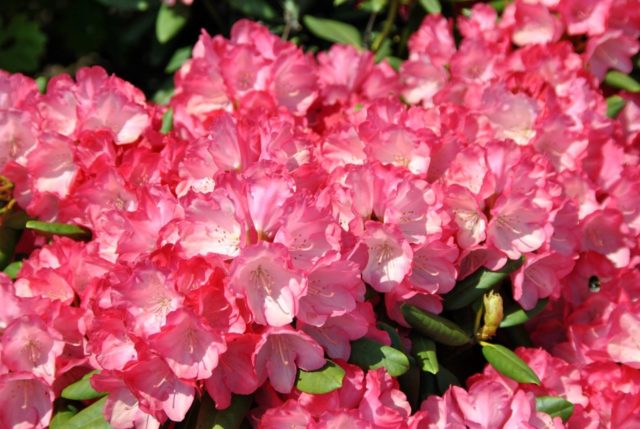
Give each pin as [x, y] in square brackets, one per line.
[321, 240]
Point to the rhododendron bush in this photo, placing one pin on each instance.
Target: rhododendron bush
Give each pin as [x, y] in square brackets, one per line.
[323, 241]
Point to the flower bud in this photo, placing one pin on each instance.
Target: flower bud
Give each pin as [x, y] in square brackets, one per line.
[493, 315]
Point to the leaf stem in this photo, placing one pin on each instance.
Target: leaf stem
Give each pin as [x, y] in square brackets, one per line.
[388, 25]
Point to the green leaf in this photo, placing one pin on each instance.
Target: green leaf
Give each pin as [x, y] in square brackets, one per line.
[177, 59]
[8, 240]
[620, 80]
[324, 380]
[72, 231]
[167, 121]
[615, 104]
[425, 350]
[81, 390]
[170, 21]
[375, 6]
[260, 9]
[163, 95]
[446, 379]
[339, 2]
[438, 328]
[333, 31]
[508, 363]
[126, 5]
[555, 406]
[431, 6]
[22, 44]
[90, 417]
[396, 341]
[518, 316]
[13, 269]
[62, 417]
[477, 284]
[369, 354]
[41, 82]
[232, 417]
[499, 5]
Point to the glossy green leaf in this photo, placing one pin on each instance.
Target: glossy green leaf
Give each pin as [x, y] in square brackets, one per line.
[324, 380]
[62, 417]
[431, 6]
[477, 284]
[508, 363]
[81, 390]
[517, 315]
[369, 354]
[396, 341]
[8, 239]
[555, 406]
[179, 57]
[438, 328]
[232, 417]
[620, 80]
[446, 379]
[22, 44]
[90, 417]
[167, 121]
[41, 82]
[615, 104]
[72, 231]
[170, 21]
[260, 9]
[375, 6]
[13, 269]
[126, 5]
[333, 31]
[425, 350]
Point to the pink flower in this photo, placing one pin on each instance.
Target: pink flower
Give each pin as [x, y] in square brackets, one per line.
[236, 372]
[434, 39]
[188, 345]
[383, 404]
[281, 351]
[333, 289]
[158, 389]
[611, 50]
[262, 274]
[25, 401]
[585, 16]
[517, 226]
[290, 414]
[534, 24]
[433, 267]
[29, 345]
[122, 409]
[389, 256]
[540, 277]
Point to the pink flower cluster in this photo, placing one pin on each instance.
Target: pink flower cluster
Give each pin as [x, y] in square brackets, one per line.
[237, 248]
